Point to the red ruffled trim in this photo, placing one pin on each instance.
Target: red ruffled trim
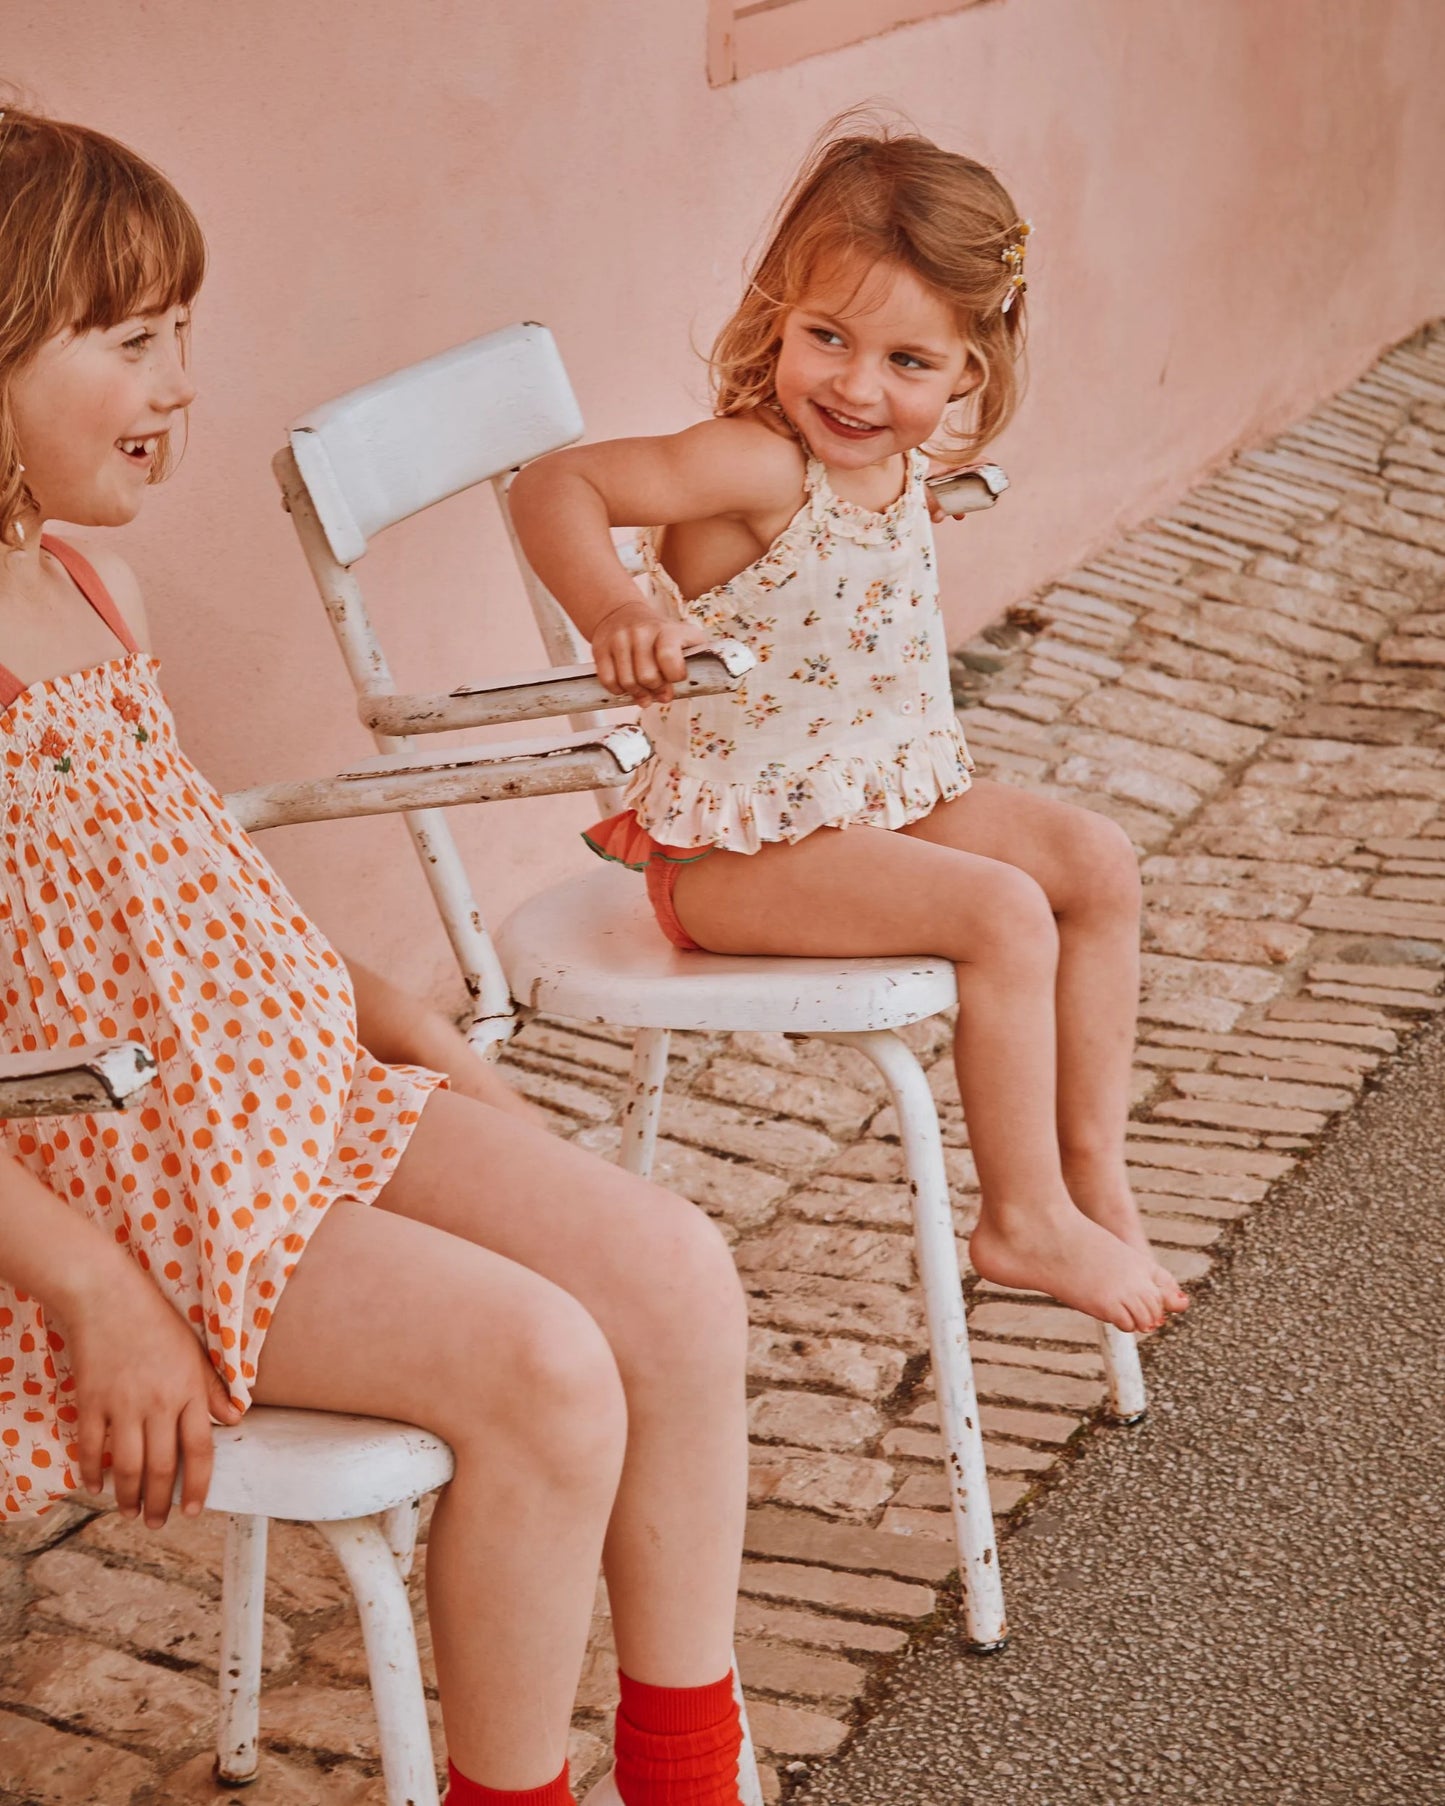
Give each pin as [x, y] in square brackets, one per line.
[622, 838]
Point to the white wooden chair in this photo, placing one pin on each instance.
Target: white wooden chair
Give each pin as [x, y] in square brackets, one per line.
[359, 1480]
[588, 948]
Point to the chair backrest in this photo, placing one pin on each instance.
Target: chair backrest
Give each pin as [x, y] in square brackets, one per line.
[359, 464]
[386, 451]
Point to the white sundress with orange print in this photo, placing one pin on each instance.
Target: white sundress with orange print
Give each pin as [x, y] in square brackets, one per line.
[133, 906]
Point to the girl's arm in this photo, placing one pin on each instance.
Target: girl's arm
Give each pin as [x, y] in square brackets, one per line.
[144, 1387]
[564, 505]
[399, 1029]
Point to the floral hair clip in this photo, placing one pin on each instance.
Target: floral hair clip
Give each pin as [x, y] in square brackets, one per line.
[1013, 256]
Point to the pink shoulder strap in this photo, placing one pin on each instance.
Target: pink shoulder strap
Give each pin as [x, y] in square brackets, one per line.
[86, 578]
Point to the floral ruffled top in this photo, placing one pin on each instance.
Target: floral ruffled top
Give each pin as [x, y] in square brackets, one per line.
[847, 716]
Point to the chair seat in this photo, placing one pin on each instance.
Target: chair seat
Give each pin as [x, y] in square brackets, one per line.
[589, 948]
[319, 1465]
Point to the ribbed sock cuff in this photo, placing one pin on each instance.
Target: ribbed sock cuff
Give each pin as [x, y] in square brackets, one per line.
[668, 1710]
[462, 1792]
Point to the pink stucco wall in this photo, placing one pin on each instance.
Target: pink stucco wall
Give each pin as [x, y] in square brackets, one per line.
[1237, 206]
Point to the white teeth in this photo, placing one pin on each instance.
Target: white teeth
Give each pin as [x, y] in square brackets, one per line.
[138, 445]
[848, 420]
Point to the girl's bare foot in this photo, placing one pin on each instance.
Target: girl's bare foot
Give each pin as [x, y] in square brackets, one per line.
[1058, 1251]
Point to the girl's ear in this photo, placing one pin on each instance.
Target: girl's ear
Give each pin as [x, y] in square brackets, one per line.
[972, 377]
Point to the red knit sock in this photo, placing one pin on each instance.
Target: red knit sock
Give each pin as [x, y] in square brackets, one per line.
[462, 1792]
[678, 1746]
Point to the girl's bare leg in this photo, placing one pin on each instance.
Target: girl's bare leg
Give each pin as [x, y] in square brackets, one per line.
[861, 891]
[391, 1318]
[657, 1279]
[1089, 872]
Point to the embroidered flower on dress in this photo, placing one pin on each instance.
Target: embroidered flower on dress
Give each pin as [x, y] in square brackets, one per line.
[53, 745]
[130, 710]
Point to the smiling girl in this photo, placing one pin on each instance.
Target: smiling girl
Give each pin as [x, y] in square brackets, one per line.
[826, 806]
[326, 1201]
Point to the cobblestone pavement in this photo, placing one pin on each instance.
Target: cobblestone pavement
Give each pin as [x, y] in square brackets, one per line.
[1254, 685]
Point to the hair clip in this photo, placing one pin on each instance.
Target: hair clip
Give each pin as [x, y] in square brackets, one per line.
[1013, 256]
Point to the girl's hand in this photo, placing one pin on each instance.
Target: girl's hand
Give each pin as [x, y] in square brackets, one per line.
[936, 513]
[146, 1390]
[639, 653]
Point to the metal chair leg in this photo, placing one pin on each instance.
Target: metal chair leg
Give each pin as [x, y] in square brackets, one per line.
[645, 1086]
[389, 1634]
[399, 1527]
[750, 1785]
[947, 1333]
[243, 1610]
[1128, 1401]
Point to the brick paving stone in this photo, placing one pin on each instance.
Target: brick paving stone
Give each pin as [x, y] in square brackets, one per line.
[158, 1617]
[1409, 1001]
[872, 1595]
[838, 1252]
[906, 1443]
[794, 1731]
[836, 1108]
[330, 1721]
[817, 1631]
[102, 1692]
[279, 1783]
[1180, 1232]
[929, 1492]
[804, 1360]
[302, 1574]
[937, 1526]
[802, 1536]
[784, 1668]
[840, 1486]
[788, 1146]
[1279, 1044]
[829, 1199]
[1202, 937]
[1399, 978]
[1244, 1116]
[42, 1766]
[1034, 1322]
[820, 1306]
[1174, 1205]
[1086, 1365]
[743, 1195]
[813, 1420]
[1275, 1091]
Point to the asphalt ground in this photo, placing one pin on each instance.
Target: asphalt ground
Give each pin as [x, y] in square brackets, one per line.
[1241, 1602]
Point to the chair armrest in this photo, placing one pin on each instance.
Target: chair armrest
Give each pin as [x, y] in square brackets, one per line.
[533, 695]
[465, 774]
[65, 1081]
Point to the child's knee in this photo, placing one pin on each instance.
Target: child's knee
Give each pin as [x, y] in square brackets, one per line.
[1015, 926]
[556, 1403]
[1104, 867]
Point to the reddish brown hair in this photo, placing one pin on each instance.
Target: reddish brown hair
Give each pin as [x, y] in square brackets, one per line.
[888, 196]
[90, 235]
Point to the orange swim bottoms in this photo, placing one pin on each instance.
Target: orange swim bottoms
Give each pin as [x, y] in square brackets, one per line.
[622, 838]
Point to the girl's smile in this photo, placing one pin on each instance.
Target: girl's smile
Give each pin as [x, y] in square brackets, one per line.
[869, 360]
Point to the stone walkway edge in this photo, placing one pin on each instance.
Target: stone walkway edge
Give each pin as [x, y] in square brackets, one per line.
[1253, 685]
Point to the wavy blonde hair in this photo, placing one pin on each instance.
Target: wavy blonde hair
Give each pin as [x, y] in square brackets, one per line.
[90, 235]
[888, 196]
